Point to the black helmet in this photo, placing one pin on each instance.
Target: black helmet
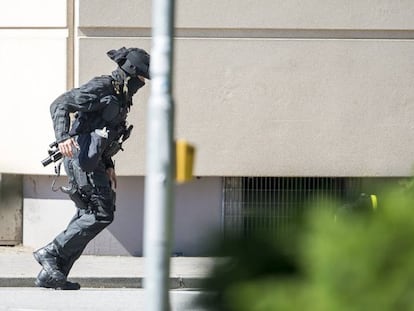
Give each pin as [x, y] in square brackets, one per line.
[134, 61]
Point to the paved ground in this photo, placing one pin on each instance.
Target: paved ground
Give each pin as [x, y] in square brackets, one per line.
[19, 269]
[90, 299]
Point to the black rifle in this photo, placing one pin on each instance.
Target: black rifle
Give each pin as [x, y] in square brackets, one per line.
[54, 154]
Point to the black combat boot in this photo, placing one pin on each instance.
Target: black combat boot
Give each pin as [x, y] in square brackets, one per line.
[44, 279]
[48, 258]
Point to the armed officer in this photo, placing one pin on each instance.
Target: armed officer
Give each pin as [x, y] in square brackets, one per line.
[88, 145]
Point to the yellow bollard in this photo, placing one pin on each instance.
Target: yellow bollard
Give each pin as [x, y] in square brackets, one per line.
[185, 153]
[374, 201]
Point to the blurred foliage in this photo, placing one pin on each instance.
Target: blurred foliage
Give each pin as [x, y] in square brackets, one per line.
[359, 259]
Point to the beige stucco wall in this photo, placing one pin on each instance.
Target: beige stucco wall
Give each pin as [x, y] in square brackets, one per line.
[33, 60]
[250, 14]
[270, 87]
[275, 87]
[197, 214]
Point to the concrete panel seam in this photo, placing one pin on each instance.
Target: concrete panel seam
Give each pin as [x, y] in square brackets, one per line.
[252, 33]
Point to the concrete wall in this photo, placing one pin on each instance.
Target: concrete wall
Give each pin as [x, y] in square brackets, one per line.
[284, 88]
[11, 205]
[33, 59]
[269, 88]
[197, 214]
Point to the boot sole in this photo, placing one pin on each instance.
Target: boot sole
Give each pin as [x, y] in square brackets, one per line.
[39, 283]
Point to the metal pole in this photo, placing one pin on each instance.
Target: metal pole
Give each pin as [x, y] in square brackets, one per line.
[160, 164]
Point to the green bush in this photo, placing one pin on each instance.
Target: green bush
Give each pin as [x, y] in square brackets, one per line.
[354, 261]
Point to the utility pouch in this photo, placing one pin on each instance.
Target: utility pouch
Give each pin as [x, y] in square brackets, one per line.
[123, 133]
[76, 197]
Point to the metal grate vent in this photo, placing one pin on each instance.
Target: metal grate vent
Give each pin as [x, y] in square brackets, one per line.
[272, 202]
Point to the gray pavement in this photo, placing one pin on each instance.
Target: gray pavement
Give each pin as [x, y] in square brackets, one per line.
[92, 299]
[19, 269]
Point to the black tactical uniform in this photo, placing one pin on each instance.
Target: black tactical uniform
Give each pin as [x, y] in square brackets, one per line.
[101, 106]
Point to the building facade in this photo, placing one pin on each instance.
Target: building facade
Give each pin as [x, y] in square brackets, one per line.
[273, 89]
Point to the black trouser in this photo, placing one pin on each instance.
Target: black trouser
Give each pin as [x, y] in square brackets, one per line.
[86, 223]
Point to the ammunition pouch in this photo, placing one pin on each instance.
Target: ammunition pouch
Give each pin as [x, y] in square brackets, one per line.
[121, 134]
[112, 149]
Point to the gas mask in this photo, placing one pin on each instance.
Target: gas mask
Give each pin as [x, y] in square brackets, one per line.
[134, 84]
